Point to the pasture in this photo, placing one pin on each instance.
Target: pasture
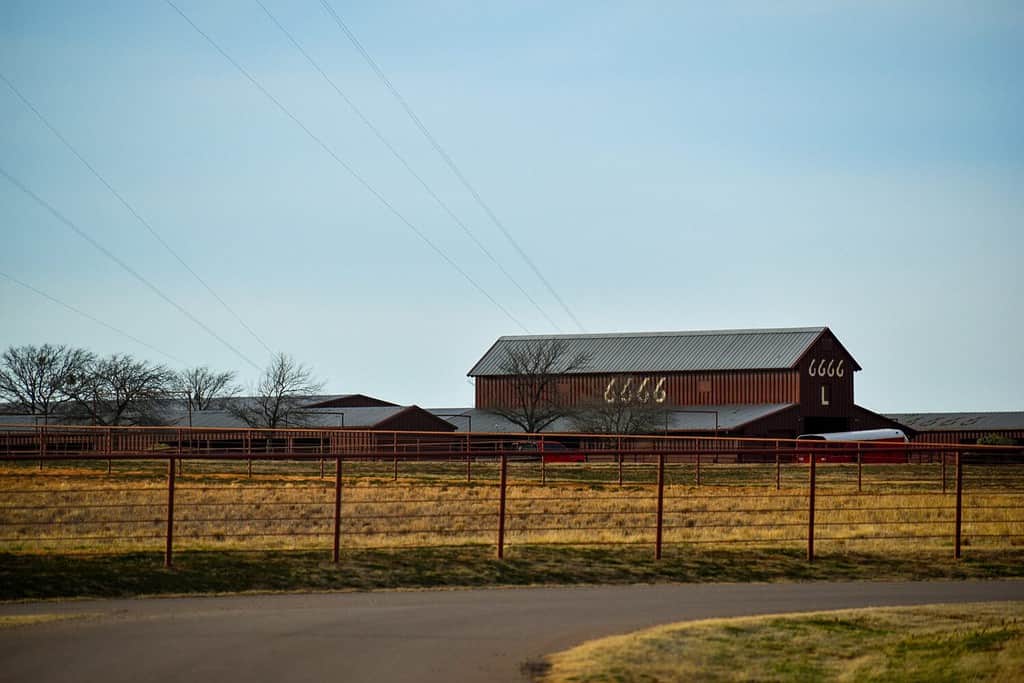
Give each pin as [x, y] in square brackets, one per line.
[79, 506]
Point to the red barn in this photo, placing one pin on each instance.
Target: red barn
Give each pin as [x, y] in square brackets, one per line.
[767, 382]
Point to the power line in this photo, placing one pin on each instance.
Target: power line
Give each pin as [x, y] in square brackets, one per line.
[448, 160]
[106, 252]
[90, 317]
[380, 136]
[132, 210]
[345, 166]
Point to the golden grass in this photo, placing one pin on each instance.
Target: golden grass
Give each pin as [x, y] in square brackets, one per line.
[17, 620]
[978, 642]
[289, 506]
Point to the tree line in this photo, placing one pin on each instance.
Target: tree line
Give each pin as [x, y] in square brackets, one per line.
[68, 384]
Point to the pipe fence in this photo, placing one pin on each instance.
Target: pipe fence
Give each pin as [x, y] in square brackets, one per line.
[109, 490]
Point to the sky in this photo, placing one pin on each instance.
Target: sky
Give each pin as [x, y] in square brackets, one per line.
[664, 166]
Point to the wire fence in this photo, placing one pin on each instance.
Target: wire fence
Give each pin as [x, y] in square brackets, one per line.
[108, 491]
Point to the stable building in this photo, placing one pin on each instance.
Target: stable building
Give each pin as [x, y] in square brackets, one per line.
[774, 383]
[965, 428]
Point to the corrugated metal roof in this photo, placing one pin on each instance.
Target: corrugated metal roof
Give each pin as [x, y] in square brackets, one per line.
[680, 418]
[484, 421]
[312, 418]
[732, 416]
[961, 422]
[669, 351]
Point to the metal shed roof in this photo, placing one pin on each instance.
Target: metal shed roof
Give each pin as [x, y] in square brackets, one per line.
[312, 418]
[961, 422]
[680, 418]
[762, 349]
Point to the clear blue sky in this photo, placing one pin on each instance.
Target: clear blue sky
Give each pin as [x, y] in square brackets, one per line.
[666, 165]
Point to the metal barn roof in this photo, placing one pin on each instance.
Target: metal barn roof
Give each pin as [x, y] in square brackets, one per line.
[961, 422]
[311, 418]
[765, 349]
[680, 418]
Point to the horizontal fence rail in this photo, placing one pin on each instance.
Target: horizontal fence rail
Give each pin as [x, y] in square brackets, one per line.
[101, 490]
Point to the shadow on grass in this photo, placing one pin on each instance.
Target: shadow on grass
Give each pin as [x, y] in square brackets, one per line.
[24, 576]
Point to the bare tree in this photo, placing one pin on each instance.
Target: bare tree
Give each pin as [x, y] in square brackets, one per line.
[278, 396]
[202, 388]
[34, 379]
[120, 390]
[535, 366]
[598, 416]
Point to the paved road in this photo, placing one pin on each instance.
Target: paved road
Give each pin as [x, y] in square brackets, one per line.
[464, 635]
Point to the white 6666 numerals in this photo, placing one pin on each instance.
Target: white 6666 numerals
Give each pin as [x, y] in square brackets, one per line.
[639, 389]
[826, 368]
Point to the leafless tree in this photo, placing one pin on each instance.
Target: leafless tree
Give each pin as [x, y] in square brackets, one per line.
[202, 388]
[278, 395]
[598, 416]
[120, 390]
[535, 366]
[34, 379]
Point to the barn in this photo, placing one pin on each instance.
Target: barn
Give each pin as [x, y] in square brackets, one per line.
[774, 383]
[964, 428]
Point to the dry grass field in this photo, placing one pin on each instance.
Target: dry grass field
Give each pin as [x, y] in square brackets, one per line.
[981, 642]
[77, 507]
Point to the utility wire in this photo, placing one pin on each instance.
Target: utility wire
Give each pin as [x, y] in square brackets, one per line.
[448, 160]
[132, 210]
[380, 136]
[106, 252]
[345, 166]
[92, 318]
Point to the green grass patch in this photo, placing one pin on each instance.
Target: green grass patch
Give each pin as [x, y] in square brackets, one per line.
[979, 642]
[42, 576]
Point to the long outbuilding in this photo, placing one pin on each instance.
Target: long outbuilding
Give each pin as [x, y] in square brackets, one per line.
[964, 428]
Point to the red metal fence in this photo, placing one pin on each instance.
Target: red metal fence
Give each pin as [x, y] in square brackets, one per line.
[100, 490]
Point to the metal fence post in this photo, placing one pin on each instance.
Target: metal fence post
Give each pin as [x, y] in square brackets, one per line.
[501, 506]
[619, 448]
[943, 460]
[337, 510]
[810, 512]
[778, 467]
[959, 505]
[860, 469]
[661, 506]
[697, 472]
[169, 549]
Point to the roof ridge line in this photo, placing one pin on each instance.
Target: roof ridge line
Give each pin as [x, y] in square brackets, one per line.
[676, 333]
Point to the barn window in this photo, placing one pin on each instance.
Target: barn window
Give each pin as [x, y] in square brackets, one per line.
[826, 394]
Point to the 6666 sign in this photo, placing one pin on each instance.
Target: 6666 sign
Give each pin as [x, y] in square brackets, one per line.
[826, 367]
[639, 389]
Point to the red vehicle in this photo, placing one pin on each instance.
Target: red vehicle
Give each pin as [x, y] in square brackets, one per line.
[551, 451]
[873, 445]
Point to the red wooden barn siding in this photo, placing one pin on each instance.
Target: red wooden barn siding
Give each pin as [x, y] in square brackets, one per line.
[841, 388]
[681, 388]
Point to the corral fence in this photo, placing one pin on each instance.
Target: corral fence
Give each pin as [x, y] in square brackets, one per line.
[103, 490]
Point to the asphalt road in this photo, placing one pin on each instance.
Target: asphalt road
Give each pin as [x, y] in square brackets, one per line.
[461, 635]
